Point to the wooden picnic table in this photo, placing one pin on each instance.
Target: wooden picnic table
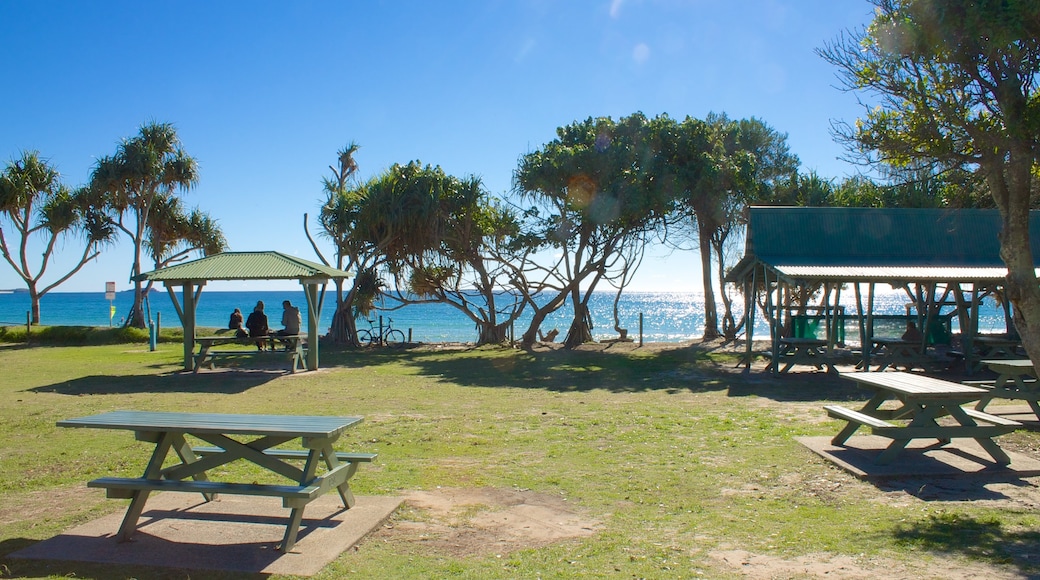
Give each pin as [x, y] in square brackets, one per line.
[897, 353]
[292, 347]
[998, 346]
[921, 401]
[1016, 379]
[803, 351]
[255, 438]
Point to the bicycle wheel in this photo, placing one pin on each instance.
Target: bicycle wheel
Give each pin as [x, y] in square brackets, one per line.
[364, 337]
[393, 337]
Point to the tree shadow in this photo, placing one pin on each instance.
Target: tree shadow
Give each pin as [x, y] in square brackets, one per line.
[678, 370]
[226, 383]
[981, 539]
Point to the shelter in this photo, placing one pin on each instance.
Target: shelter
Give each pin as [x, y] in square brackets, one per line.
[192, 276]
[791, 248]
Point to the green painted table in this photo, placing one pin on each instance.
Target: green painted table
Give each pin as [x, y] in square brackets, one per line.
[255, 438]
[920, 402]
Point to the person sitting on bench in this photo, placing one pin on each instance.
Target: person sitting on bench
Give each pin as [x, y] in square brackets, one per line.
[290, 321]
[257, 324]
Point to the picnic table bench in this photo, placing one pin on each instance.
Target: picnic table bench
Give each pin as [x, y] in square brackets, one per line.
[293, 349]
[921, 401]
[169, 432]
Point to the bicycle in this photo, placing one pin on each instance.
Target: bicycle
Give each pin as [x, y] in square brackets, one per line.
[380, 335]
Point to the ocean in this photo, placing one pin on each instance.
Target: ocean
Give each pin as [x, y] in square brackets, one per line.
[667, 316]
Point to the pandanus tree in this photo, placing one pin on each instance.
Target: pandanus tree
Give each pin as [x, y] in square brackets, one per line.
[145, 170]
[174, 235]
[595, 204]
[955, 84]
[338, 219]
[39, 209]
[471, 259]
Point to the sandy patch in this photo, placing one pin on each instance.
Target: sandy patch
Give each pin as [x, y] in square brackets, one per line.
[482, 521]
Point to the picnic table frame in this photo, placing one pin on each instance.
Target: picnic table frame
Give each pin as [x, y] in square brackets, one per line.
[1016, 379]
[922, 401]
[168, 431]
[293, 349]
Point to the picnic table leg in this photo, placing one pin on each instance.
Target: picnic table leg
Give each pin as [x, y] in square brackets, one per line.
[183, 449]
[292, 530]
[331, 462]
[986, 443]
[201, 357]
[152, 471]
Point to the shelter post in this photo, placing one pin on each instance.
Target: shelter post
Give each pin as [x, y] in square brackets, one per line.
[310, 290]
[188, 323]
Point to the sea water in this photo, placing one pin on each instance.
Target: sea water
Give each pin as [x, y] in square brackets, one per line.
[666, 316]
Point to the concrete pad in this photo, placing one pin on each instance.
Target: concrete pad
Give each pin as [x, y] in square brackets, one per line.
[921, 458]
[234, 533]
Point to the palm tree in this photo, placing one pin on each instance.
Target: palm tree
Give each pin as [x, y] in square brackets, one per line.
[146, 169]
[37, 205]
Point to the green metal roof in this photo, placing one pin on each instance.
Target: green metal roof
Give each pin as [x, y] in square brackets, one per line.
[245, 266]
[870, 244]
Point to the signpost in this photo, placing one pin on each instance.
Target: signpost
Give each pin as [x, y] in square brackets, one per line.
[110, 295]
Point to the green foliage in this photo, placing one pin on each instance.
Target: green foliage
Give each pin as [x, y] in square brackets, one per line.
[145, 172]
[36, 206]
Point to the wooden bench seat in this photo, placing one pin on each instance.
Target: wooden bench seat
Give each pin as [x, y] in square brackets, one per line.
[839, 412]
[124, 487]
[991, 419]
[295, 454]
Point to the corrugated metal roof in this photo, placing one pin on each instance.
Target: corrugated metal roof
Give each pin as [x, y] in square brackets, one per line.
[893, 273]
[870, 244]
[246, 266]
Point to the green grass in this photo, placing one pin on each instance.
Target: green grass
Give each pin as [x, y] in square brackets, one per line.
[674, 456]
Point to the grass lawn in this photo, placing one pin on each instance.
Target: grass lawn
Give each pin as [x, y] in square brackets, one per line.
[668, 463]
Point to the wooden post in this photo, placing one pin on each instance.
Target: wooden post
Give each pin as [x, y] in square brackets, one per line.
[640, 329]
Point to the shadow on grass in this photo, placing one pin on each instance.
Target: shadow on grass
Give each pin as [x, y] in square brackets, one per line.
[686, 369]
[984, 540]
[227, 383]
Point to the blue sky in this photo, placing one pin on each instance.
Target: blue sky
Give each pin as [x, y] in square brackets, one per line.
[263, 94]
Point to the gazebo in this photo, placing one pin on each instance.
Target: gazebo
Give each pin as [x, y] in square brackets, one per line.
[192, 276]
[791, 248]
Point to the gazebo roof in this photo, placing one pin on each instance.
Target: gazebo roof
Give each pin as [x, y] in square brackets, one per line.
[246, 266]
[877, 245]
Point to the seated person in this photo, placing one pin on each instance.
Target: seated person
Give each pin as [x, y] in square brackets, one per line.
[235, 323]
[912, 334]
[290, 321]
[257, 324]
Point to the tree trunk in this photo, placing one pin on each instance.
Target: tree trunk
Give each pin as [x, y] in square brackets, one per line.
[711, 314]
[1011, 185]
[34, 299]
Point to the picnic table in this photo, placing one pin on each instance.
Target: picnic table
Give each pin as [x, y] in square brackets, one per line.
[803, 351]
[169, 431]
[998, 346]
[291, 348]
[1016, 379]
[920, 401]
[897, 353]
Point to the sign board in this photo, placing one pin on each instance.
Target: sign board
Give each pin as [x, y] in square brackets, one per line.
[110, 291]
